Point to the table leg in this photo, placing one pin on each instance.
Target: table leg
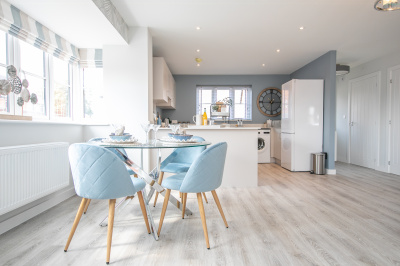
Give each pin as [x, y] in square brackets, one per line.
[154, 186]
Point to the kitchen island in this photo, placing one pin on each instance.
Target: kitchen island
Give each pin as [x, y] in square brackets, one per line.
[241, 158]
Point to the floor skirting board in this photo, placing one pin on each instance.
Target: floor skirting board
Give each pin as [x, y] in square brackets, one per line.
[331, 171]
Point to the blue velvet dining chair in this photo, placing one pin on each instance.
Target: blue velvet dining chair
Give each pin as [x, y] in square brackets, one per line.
[99, 174]
[179, 161]
[115, 151]
[205, 174]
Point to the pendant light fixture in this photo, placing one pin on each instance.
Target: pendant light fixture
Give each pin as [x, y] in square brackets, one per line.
[387, 5]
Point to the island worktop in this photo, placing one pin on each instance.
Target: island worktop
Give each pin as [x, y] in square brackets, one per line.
[242, 154]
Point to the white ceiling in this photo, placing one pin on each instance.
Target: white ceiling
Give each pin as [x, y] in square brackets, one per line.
[236, 36]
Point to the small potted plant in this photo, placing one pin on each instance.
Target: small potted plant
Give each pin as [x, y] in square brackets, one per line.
[221, 107]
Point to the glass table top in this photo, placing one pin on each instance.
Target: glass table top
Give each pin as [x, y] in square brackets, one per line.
[159, 144]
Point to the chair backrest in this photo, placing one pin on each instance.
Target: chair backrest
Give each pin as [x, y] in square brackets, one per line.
[114, 150]
[98, 173]
[185, 155]
[205, 174]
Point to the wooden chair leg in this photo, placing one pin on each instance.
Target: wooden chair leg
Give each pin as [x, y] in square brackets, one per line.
[205, 198]
[143, 207]
[184, 198]
[76, 222]
[111, 211]
[219, 207]
[203, 218]
[159, 182]
[164, 209]
[87, 206]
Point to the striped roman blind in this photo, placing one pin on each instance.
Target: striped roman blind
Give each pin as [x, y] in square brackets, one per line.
[22, 26]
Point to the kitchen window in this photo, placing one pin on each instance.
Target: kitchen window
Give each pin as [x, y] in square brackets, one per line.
[240, 95]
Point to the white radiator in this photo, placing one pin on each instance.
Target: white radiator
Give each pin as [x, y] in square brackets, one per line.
[29, 172]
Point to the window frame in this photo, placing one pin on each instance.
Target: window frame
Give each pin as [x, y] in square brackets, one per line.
[10, 100]
[14, 58]
[214, 89]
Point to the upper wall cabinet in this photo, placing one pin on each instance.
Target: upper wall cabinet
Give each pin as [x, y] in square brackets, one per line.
[163, 85]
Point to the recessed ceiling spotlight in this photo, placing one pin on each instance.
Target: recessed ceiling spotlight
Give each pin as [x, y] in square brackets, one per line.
[198, 65]
[277, 50]
[301, 28]
[198, 28]
[198, 50]
[263, 65]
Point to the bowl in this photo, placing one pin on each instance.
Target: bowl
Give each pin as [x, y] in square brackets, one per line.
[125, 136]
[180, 136]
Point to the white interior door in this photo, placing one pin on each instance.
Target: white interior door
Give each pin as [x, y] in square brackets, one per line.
[364, 110]
[394, 118]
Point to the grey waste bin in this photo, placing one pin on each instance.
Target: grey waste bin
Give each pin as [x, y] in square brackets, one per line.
[318, 163]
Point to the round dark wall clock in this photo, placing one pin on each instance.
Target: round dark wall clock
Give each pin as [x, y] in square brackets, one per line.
[269, 102]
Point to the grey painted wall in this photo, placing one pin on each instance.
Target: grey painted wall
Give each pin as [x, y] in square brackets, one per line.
[186, 92]
[324, 68]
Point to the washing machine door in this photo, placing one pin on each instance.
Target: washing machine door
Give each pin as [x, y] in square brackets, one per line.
[261, 144]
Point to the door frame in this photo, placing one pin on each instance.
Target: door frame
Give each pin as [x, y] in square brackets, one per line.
[377, 114]
[389, 113]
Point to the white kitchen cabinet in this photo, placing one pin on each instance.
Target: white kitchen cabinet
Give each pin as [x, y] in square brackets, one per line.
[276, 144]
[163, 85]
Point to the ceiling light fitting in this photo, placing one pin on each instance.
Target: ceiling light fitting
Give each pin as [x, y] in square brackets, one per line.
[198, 50]
[342, 70]
[198, 28]
[387, 5]
[198, 61]
[301, 28]
[278, 50]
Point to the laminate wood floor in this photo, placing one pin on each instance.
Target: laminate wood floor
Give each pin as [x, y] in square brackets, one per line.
[352, 218]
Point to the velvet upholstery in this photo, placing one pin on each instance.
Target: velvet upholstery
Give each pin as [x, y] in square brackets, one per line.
[205, 173]
[115, 151]
[98, 173]
[180, 159]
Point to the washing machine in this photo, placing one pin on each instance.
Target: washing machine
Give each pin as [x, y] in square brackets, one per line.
[264, 145]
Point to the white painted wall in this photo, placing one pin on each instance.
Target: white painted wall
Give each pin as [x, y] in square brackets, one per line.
[342, 86]
[128, 82]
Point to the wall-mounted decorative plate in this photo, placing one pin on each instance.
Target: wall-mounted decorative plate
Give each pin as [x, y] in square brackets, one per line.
[269, 102]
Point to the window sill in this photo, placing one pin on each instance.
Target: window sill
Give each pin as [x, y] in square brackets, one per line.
[52, 122]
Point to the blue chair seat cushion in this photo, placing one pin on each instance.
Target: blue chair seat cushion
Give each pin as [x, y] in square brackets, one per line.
[138, 183]
[173, 182]
[176, 168]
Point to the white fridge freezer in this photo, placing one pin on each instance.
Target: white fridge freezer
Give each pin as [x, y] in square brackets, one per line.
[301, 123]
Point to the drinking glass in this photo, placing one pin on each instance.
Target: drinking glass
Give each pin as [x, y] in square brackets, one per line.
[146, 127]
[155, 128]
[174, 128]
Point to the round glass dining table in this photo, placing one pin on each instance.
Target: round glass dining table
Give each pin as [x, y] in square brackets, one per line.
[151, 177]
